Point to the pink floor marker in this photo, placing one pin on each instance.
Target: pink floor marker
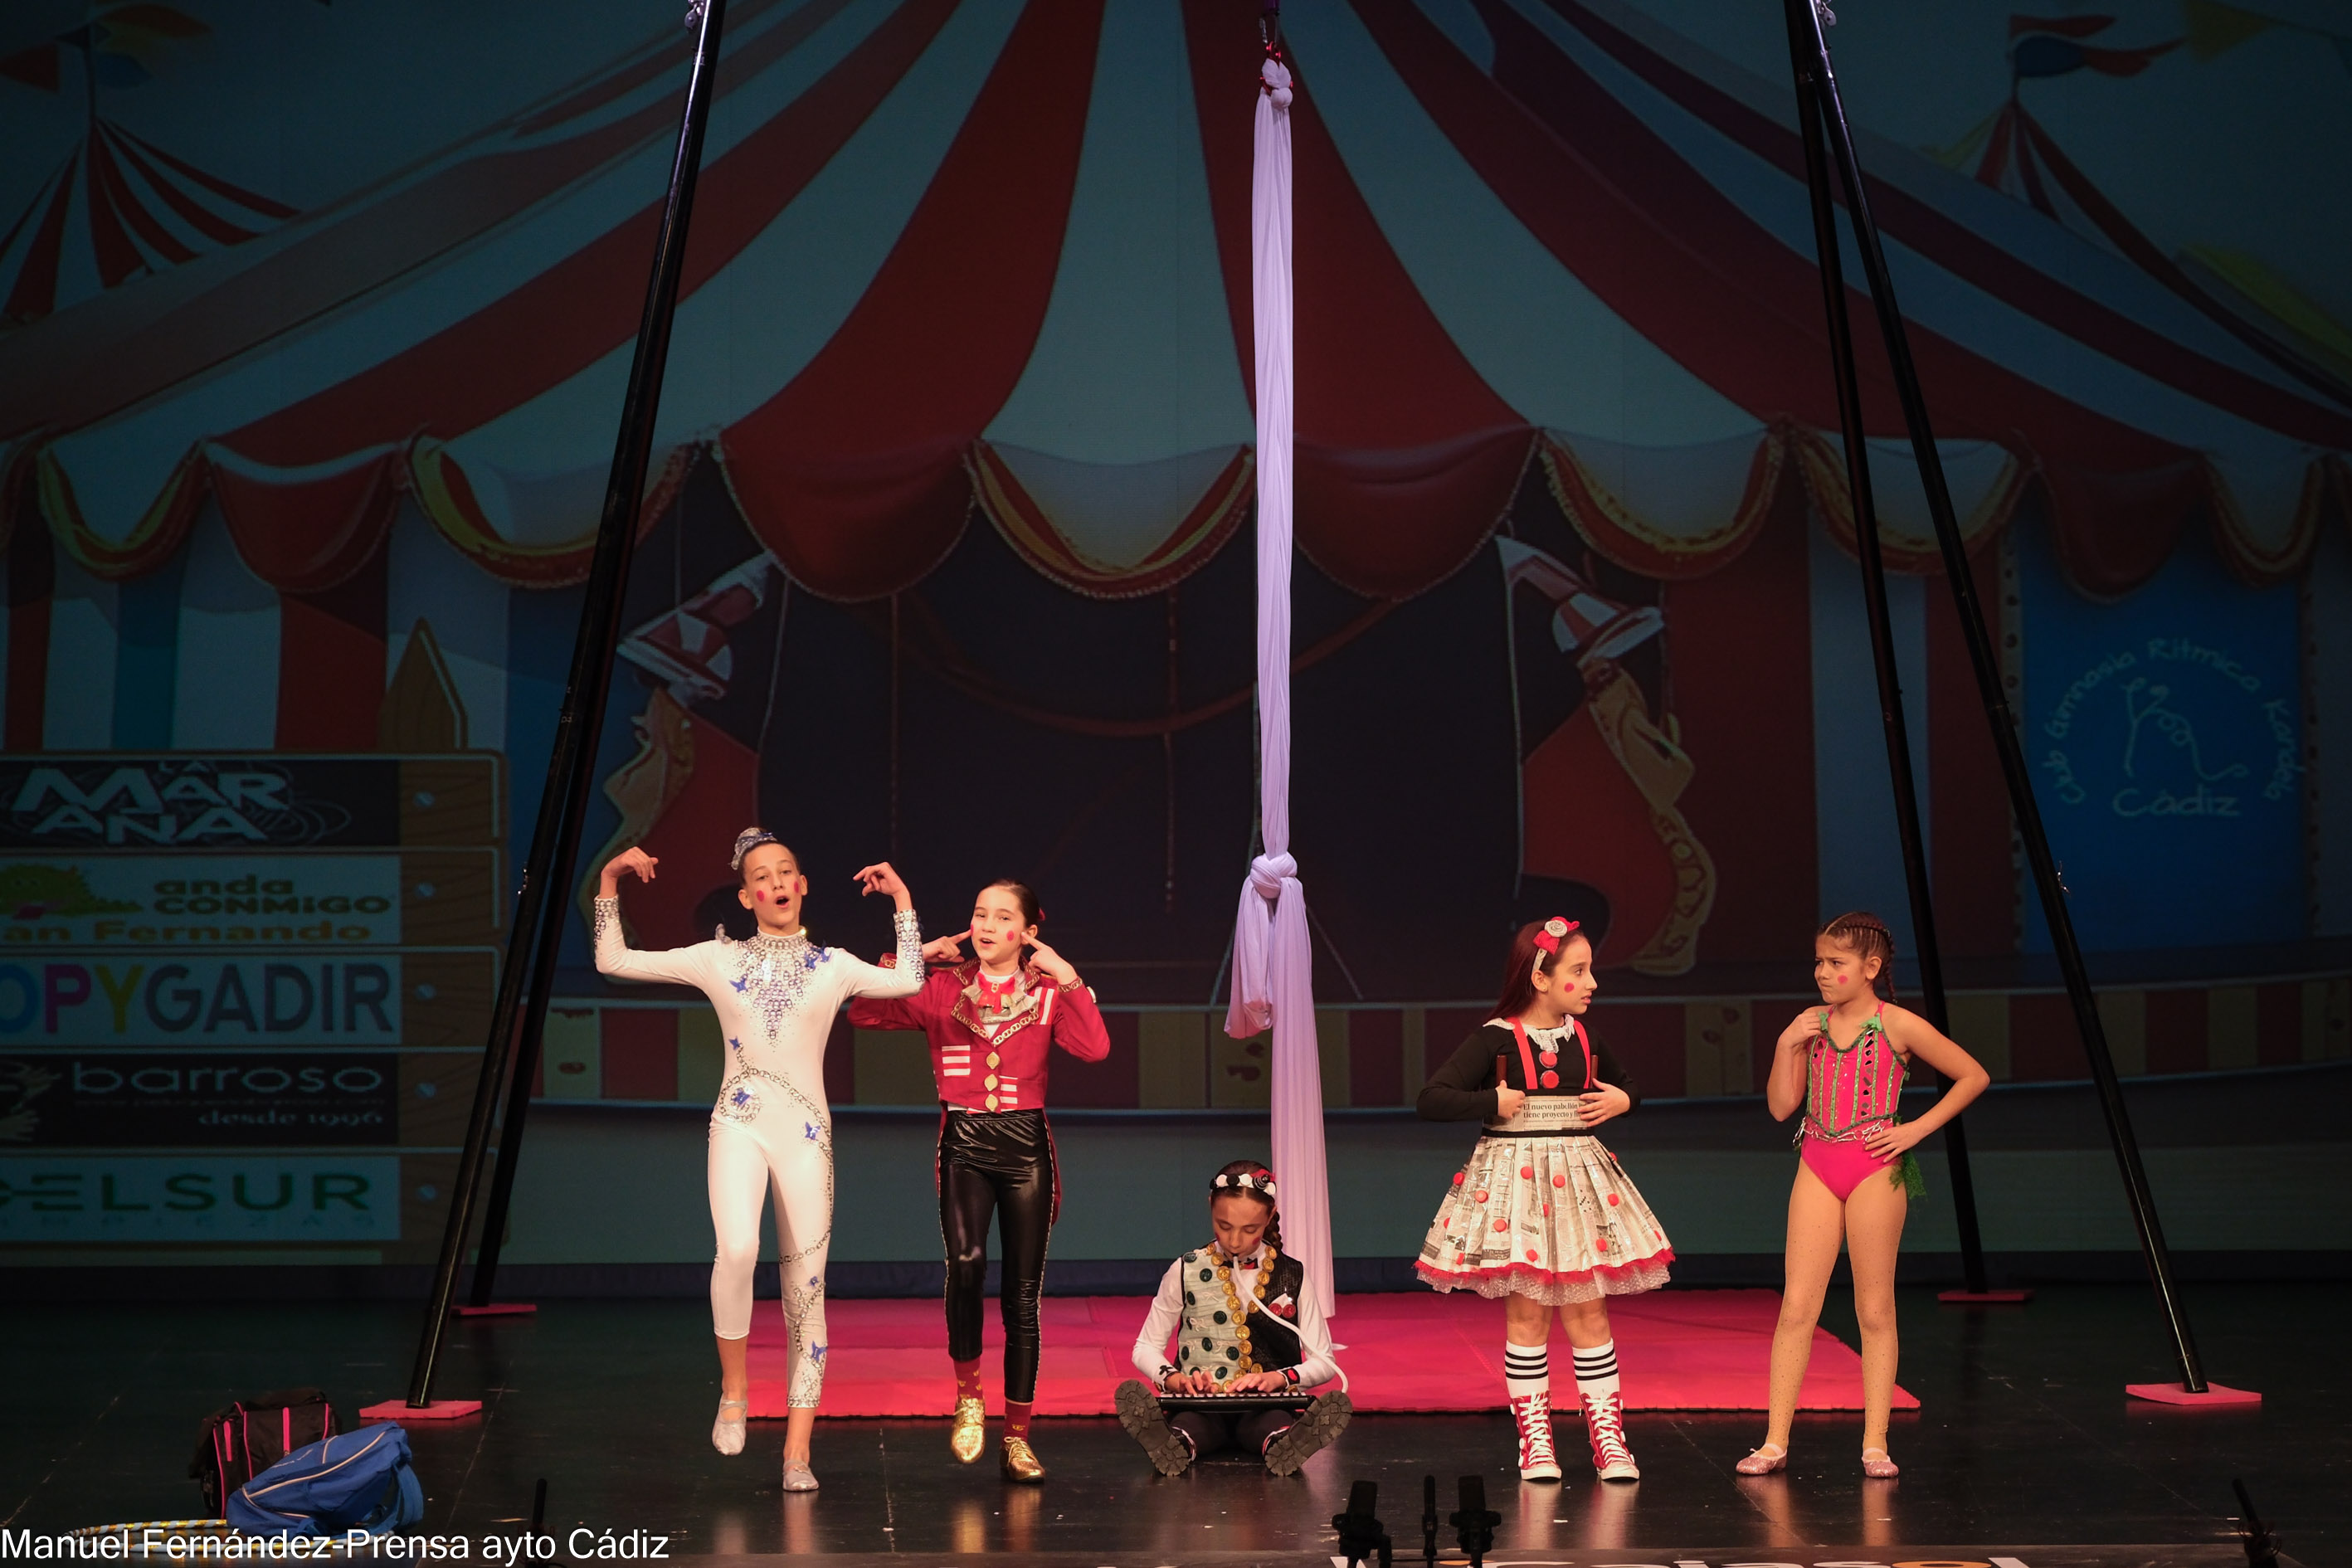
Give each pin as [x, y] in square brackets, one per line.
[2178, 1394]
[1984, 1298]
[494, 1310]
[1680, 1349]
[439, 1410]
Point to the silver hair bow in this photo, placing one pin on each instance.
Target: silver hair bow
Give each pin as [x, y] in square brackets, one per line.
[751, 839]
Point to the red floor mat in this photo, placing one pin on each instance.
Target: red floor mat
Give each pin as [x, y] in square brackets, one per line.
[1679, 1350]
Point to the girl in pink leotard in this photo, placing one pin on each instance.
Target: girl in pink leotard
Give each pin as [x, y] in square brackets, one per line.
[1851, 1092]
[1843, 1064]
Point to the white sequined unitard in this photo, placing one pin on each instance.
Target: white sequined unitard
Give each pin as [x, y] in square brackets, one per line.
[776, 998]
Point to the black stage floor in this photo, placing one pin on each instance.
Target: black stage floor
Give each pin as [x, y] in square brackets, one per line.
[2025, 1437]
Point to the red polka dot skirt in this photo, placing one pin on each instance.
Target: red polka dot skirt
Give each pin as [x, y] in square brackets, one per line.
[1552, 1218]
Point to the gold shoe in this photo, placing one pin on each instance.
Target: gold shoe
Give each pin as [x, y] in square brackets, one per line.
[969, 1432]
[1021, 1462]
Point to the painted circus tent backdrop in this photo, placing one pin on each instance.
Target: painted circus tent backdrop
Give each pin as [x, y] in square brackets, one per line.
[956, 448]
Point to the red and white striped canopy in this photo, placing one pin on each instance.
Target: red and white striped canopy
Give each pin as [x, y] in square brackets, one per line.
[950, 254]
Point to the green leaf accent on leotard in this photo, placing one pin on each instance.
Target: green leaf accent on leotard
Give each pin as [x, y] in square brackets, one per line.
[1907, 1175]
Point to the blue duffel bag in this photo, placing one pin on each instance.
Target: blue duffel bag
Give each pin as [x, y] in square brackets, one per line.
[358, 1480]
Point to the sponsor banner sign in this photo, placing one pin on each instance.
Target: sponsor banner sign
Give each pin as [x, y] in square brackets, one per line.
[180, 801]
[445, 897]
[199, 1197]
[144, 999]
[196, 1099]
[152, 902]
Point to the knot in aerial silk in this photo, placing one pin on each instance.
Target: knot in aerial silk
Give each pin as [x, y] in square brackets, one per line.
[1277, 78]
[1268, 872]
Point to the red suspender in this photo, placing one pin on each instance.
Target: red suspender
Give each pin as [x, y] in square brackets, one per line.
[1526, 1056]
[1528, 1059]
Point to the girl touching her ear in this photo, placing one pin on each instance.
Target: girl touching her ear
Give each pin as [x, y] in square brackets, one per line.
[992, 1021]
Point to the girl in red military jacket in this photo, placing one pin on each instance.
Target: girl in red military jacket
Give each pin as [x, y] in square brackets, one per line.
[992, 1021]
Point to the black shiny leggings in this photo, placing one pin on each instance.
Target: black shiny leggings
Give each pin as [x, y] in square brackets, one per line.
[1002, 1164]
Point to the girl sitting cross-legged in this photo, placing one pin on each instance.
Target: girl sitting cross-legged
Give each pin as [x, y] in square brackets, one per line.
[1247, 1330]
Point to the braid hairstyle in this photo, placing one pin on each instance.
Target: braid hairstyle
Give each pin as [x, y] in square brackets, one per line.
[1255, 1171]
[1868, 936]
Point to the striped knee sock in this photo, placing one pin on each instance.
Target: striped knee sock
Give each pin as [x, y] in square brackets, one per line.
[1527, 1369]
[1596, 1370]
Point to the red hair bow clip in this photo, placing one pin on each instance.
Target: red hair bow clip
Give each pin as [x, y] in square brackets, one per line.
[1555, 931]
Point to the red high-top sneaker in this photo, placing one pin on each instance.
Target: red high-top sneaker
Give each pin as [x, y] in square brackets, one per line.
[1536, 1460]
[1604, 1424]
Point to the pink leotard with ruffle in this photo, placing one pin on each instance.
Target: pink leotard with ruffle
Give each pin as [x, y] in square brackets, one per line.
[1848, 1093]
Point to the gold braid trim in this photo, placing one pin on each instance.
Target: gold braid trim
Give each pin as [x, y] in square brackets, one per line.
[1233, 1300]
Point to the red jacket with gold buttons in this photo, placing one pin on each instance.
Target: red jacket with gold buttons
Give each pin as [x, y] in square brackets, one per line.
[990, 1037]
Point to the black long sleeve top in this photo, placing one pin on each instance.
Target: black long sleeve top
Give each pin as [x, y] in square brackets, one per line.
[1463, 1090]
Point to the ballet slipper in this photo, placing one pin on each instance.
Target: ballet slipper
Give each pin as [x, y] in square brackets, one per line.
[1882, 1469]
[726, 1435]
[1764, 1461]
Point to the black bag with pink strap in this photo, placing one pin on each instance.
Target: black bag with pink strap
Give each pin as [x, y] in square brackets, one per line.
[243, 1440]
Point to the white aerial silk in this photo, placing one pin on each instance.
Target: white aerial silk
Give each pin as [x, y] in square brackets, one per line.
[1274, 958]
